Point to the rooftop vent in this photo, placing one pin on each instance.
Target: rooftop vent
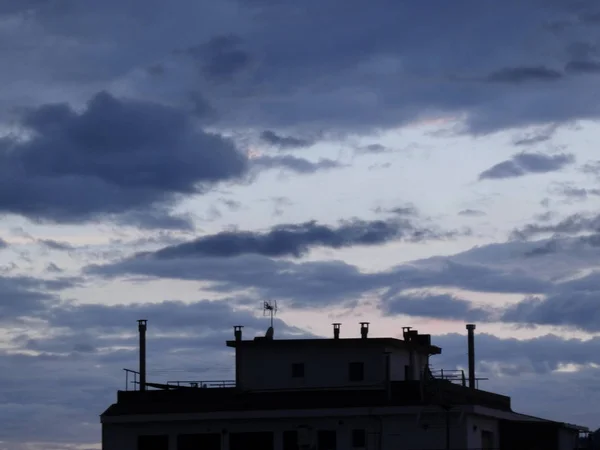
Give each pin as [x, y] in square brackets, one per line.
[364, 329]
[336, 330]
[237, 332]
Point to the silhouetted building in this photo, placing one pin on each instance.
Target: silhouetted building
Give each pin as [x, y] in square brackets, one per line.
[327, 394]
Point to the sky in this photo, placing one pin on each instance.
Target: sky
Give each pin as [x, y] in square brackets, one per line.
[407, 163]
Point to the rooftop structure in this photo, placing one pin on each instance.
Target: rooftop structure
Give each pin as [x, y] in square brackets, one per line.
[336, 393]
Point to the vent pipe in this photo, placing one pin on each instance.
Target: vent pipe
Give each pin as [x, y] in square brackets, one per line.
[364, 329]
[336, 330]
[471, 343]
[237, 332]
[142, 329]
[388, 375]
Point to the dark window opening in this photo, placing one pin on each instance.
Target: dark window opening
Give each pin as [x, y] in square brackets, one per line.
[356, 371]
[298, 370]
[487, 440]
[407, 373]
[359, 438]
[204, 441]
[326, 440]
[153, 442]
[252, 440]
[290, 440]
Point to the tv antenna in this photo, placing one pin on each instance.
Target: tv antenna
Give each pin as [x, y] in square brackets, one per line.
[270, 308]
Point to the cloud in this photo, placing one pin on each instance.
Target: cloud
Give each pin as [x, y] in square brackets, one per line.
[296, 239]
[572, 224]
[435, 306]
[539, 136]
[284, 142]
[56, 245]
[221, 58]
[119, 158]
[350, 72]
[373, 149]
[407, 210]
[519, 75]
[315, 284]
[524, 163]
[294, 164]
[24, 297]
[471, 213]
[572, 192]
[583, 67]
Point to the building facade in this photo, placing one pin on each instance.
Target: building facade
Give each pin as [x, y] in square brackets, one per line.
[327, 394]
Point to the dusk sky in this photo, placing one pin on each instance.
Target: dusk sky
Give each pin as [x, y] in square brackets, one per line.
[404, 162]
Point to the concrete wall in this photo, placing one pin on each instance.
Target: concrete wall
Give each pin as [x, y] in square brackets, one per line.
[270, 368]
[567, 439]
[475, 426]
[406, 432]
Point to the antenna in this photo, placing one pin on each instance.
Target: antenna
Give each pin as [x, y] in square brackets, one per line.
[270, 307]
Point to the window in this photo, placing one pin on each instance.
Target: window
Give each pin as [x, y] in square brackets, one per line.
[153, 442]
[205, 441]
[290, 440]
[487, 439]
[298, 370]
[359, 438]
[252, 440]
[326, 440]
[356, 371]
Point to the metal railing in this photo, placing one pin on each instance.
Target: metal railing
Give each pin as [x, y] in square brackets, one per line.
[203, 383]
[131, 373]
[456, 376]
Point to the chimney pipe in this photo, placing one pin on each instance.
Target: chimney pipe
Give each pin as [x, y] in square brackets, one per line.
[237, 332]
[388, 376]
[142, 330]
[336, 330]
[471, 343]
[364, 329]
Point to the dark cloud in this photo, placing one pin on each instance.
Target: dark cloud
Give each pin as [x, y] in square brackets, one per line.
[407, 210]
[373, 149]
[270, 66]
[545, 249]
[519, 75]
[221, 58]
[294, 164]
[573, 224]
[538, 137]
[316, 284]
[113, 159]
[524, 163]
[574, 304]
[296, 239]
[284, 142]
[24, 297]
[56, 245]
[583, 66]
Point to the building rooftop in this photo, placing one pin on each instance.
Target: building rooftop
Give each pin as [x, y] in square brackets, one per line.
[423, 345]
[197, 400]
